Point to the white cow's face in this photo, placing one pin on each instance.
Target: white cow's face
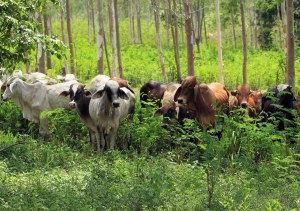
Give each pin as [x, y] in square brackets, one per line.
[9, 87]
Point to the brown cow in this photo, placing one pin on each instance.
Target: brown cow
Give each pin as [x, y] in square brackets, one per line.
[122, 83]
[205, 99]
[245, 98]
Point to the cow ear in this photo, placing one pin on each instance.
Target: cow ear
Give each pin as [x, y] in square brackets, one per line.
[158, 112]
[3, 87]
[177, 94]
[87, 93]
[98, 94]
[123, 94]
[64, 94]
[233, 92]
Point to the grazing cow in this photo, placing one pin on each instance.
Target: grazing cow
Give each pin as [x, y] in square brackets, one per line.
[280, 95]
[245, 98]
[152, 91]
[67, 77]
[107, 107]
[122, 83]
[35, 98]
[206, 100]
[170, 109]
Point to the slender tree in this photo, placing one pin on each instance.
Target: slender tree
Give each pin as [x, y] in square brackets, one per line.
[290, 43]
[244, 42]
[100, 67]
[174, 29]
[232, 22]
[131, 21]
[40, 51]
[189, 36]
[118, 40]
[113, 37]
[62, 24]
[155, 4]
[48, 33]
[138, 22]
[284, 26]
[255, 25]
[220, 52]
[72, 54]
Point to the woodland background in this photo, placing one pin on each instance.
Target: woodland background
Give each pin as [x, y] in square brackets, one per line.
[184, 168]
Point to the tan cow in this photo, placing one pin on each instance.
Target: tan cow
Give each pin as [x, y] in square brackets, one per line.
[205, 99]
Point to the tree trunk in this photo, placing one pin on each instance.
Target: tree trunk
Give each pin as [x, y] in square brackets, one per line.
[62, 24]
[113, 38]
[290, 43]
[93, 22]
[48, 33]
[118, 40]
[72, 55]
[131, 21]
[244, 42]
[263, 44]
[40, 51]
[279, 28]
[284, 26]
[174, 28]
[155, 4]
[27, 63]
[189, 36]
[100, 67]
[138, 22]
[219, 42]
[255, 25]
[232, 23]
[89, 16]
[167, 18]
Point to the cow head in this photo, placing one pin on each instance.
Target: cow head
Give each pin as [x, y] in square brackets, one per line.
[242, 95]
[169, 112]
[9, 87]
[113, 92]
[77, 93]
[185, 93]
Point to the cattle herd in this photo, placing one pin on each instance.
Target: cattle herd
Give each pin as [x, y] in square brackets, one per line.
[109, 100]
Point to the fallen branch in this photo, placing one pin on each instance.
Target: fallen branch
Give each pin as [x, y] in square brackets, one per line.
[19, 142]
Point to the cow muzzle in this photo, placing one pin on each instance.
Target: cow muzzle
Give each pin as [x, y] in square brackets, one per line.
[244, 105]
[72, 104]
[180, 100]
[116, 104]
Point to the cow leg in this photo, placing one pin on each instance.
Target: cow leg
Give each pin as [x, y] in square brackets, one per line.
[44, 128]
[100, 141]
[93, 139]
[113, 136]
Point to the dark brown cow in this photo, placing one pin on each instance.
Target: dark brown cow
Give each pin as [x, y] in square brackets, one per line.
[152, 91]
[203, 98]
[245, 98]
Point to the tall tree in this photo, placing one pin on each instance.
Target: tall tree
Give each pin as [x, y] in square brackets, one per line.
[131, 21]
[118, 40]
[255, 25]
[72, 54]
[220, 52]
[290, 43]
[231, 5]
[174, 28]
[48, 32]
[100, 67]
[284, 26]
[244, 42]
[113, 37]
[189, 36]
[155, 4]
[62, 24]
[138, 22]
[40, 52]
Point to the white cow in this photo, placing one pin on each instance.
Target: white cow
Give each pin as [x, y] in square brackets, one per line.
[40, 77]
[107, 107]
[67, 77]
[35, 98]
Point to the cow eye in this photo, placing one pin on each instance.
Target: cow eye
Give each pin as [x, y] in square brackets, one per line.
[190, 86]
